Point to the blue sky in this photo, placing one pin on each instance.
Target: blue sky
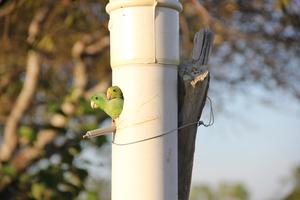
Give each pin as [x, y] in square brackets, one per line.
[255, 140]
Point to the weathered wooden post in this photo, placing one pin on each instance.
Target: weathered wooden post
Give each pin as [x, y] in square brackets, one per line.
[193, 83]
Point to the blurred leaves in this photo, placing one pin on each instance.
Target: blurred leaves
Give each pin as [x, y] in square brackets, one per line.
[27, 134]
[237, 191]
[37, 191]
[233, 191]
[46, 44]
[294, 194]
[8, 170]
[92, 196]
[56, 104]
[63, 183]
[255, 41]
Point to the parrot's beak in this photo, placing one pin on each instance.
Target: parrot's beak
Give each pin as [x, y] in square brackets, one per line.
[108, 95]
[93, 105]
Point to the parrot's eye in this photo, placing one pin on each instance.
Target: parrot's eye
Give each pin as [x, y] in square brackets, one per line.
[114, 90]
[96, 98]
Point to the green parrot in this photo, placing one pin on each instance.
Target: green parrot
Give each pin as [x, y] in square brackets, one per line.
[111, 104]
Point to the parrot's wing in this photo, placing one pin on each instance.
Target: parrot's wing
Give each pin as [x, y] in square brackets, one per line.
[114, 107]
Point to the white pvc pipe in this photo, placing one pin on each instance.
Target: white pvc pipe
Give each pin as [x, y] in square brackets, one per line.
[144, 58]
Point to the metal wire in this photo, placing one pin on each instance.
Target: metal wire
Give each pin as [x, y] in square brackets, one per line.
[199, 123]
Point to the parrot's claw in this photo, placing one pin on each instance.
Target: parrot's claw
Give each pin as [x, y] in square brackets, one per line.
[115, 121]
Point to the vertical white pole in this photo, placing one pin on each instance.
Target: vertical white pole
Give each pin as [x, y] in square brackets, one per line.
[144, 58]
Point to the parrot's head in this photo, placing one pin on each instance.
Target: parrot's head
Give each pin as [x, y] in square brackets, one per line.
[114, 92]
[96, 100]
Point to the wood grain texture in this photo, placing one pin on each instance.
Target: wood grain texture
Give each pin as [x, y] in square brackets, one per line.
[193, 84]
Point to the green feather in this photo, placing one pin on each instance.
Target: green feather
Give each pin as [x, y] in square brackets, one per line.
[112, 106]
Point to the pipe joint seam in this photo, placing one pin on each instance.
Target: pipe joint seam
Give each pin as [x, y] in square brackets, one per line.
[112, 5]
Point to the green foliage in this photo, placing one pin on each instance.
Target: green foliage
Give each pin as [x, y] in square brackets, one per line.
[92, 196]
[224, 191]
[8, 170]
[294, 195]
[27, 134]
[46, 43]
[201, 192]
[295, 192]
[59, 183]
[100, 141]
[53, 106]
[37, 191]
[89, 126]
[54, 174]
[236, 191]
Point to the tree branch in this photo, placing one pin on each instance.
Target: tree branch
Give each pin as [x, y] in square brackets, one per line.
[86, 46]
[202, 12]
[185, 35]
[8, 9]
[23, 101]
[26, 156]
[32, 74]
